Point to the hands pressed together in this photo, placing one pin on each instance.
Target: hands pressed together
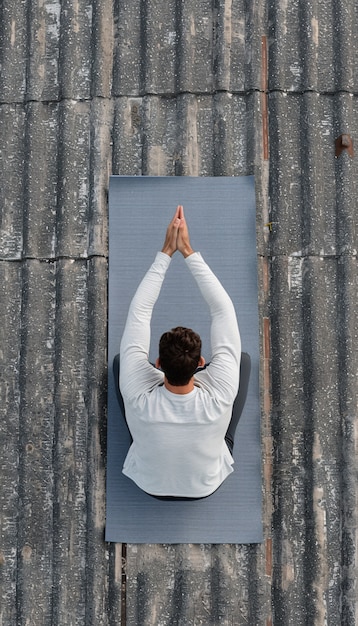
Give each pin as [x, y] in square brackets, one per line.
[177, 235]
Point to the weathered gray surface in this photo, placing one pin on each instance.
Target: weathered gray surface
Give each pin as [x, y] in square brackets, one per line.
[175, 88]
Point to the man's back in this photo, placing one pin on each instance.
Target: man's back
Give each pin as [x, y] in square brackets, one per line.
[178, 435]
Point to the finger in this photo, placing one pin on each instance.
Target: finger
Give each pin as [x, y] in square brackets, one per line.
[182, 224]
[175, 217]
[174, 224]
[181, 211]
[176, 214]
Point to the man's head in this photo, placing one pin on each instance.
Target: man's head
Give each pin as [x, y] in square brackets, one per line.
[179, 355]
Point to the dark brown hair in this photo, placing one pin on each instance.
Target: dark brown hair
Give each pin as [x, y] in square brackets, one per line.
[179, 354]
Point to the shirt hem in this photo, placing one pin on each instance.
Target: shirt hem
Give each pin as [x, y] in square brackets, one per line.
[191, 496]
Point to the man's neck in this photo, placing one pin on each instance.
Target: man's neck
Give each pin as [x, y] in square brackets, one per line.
[179, 389]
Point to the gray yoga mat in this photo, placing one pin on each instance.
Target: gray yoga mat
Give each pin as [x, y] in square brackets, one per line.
[221, 216]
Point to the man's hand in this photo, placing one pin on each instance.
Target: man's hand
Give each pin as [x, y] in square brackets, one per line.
[183, 240]
[170, 243]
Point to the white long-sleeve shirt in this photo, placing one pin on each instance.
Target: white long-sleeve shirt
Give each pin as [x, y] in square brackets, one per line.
[178, 444]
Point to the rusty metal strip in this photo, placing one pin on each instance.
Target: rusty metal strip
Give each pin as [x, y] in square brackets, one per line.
[266, 346]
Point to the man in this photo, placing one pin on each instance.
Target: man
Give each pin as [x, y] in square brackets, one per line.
[179, 417]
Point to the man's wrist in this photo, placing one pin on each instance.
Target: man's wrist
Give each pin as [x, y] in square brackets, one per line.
[167, 251]
[187, 251]
[163, 258]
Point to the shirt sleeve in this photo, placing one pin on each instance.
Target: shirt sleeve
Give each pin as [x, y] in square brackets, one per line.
[223, 373]
[137, 375]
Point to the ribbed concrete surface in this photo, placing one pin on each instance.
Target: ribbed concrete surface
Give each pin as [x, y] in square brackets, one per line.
[155, 87]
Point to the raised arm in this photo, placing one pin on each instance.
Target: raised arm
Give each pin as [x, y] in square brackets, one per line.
[136, 373]
[224, 368]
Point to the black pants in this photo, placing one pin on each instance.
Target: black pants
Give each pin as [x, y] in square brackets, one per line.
[245, 370]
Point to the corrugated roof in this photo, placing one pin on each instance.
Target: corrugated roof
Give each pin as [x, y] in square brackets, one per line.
[176, 88]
